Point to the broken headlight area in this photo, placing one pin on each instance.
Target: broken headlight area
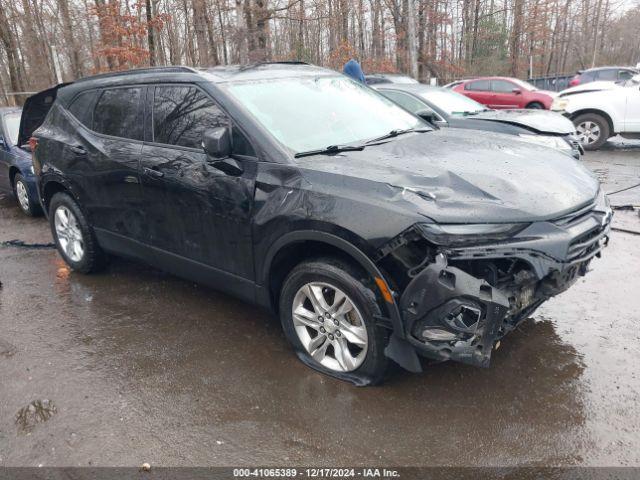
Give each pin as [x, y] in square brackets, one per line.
[462, 234]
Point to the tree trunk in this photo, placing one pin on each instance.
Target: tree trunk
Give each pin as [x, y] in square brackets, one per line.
[241, 32]
[69, 40]
[200, 26]
[411, 39]
[39, 69]
[9, 45]
[222, 34]
[150, 40]
[516, 32]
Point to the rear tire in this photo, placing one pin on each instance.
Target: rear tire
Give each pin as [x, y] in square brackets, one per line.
[593, 130]
[28, 205]
[335, 331]
[535, 106]
[73, 236]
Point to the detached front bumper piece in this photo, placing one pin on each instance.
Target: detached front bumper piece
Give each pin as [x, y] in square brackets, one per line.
[450, 315]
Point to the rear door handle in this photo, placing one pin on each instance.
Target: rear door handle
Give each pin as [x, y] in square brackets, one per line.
[78, 150]
[153, 172]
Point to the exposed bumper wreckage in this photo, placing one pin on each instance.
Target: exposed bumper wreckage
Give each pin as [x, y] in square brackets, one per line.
[460, 300]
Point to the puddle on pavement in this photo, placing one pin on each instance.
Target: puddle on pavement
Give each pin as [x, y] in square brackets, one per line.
[38, 411]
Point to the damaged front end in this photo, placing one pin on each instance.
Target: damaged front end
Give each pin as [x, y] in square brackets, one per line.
[463, 288]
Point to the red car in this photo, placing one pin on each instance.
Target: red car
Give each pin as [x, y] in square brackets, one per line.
[505, 92]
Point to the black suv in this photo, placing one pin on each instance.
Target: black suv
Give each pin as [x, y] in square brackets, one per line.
[372, 235]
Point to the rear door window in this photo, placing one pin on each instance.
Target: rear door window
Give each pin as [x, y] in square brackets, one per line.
[82, 107]
[118, 113]
[479, 85]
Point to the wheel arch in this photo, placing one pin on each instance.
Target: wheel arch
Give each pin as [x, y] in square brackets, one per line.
[294, 247]
[535, 102]
[50, 188]
[13, 171]
[595, 111]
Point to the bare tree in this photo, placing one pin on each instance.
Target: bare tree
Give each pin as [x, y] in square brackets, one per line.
[445, 39]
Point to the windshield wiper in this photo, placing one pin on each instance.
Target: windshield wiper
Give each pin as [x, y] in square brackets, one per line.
[397, 132]
[329, 150]
[350, 148]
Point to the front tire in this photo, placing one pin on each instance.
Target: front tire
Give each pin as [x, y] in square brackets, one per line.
[25, 202]
[73, 236]
[535, 106]
[593, 130]
[328, 314]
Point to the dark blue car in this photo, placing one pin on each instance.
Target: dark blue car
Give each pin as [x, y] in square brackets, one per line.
[16, 169]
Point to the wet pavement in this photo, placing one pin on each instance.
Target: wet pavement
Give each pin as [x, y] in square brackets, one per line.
[133, 365]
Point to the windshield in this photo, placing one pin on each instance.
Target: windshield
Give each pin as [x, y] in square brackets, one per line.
[451, 102]
[635, 80]
[313, 113]
[12, 125]
[401, 79]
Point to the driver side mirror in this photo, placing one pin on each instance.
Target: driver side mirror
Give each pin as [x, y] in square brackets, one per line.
[429, 116]
[217, 145]
[217, 142]
[516, 91]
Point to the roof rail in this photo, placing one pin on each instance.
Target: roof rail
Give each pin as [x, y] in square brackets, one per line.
[170, 69]
[284, 62]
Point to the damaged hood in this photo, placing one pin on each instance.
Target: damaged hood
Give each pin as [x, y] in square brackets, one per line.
[459, 177]
[589, 87]
[539, 121]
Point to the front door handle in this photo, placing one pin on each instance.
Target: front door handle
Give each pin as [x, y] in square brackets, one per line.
[152, 172]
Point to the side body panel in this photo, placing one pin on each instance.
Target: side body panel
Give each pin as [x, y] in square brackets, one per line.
[13, 157]
[194, 210]
[5, 159]
[612, 102]
[632, 112]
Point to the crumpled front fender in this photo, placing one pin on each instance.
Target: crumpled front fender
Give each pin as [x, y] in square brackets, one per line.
[460, 314]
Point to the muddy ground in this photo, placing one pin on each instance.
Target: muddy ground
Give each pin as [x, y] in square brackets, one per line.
[134, 366]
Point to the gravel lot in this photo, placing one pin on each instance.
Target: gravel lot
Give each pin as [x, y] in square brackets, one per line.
[134, 366]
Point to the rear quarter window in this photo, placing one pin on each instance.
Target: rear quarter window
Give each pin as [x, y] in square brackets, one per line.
[82, 107]
[118, 113]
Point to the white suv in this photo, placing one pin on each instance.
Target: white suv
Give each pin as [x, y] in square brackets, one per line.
[600, 110]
